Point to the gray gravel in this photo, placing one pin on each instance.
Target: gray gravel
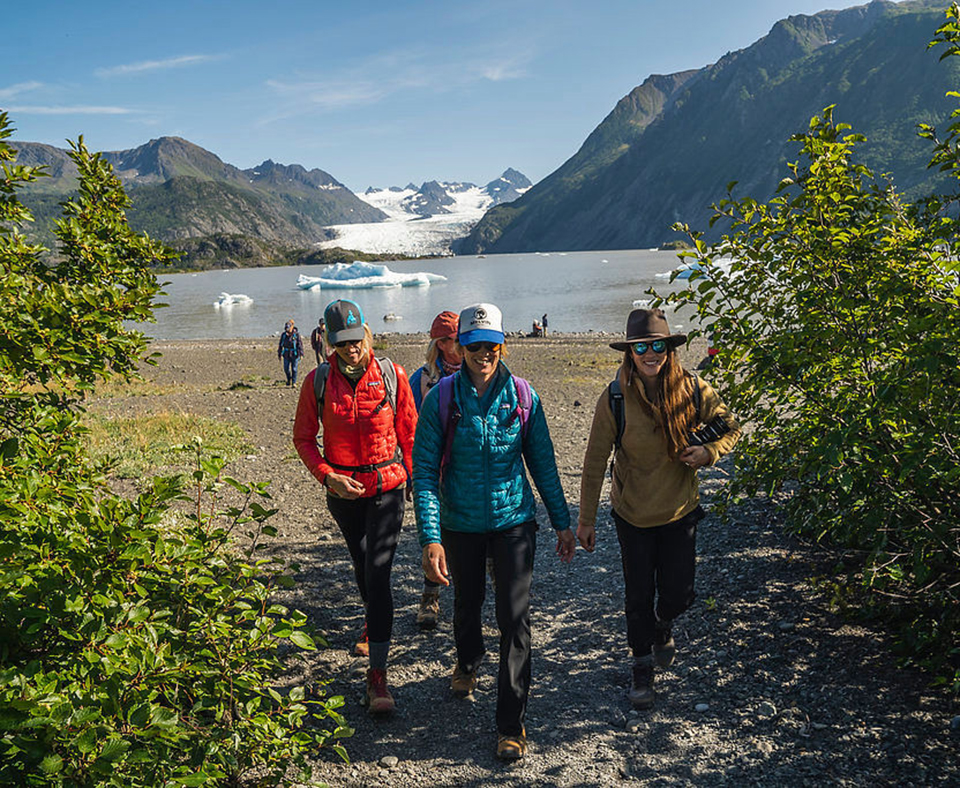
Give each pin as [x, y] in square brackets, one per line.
[769, 686]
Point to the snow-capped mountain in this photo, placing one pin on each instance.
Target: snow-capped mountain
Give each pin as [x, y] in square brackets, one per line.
[425, 220]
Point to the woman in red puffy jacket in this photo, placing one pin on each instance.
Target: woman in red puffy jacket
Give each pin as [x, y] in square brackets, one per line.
[369, 420]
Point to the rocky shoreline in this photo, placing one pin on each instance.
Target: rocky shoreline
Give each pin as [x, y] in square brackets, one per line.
[769, 686]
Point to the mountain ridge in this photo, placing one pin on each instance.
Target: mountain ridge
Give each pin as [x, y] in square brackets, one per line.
[667, 149]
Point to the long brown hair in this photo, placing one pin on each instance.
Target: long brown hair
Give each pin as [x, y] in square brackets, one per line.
[675, 398]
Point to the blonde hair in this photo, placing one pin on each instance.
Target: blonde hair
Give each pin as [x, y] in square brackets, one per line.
[674, 396]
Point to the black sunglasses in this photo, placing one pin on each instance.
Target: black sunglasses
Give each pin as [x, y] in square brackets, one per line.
[657, 346]
[348, 342]
[473, 347]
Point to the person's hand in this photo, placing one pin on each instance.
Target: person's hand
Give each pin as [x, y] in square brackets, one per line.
[344, 486]
[408, 493]
[695, 457]
[434, 564]
[566, 545]
[587, 534]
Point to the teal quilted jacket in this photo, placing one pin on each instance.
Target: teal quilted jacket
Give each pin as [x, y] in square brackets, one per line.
[484, 486]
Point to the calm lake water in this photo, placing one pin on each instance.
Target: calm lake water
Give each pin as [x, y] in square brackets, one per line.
[580, 291]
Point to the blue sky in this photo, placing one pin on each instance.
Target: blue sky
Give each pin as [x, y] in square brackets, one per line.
[375, 93]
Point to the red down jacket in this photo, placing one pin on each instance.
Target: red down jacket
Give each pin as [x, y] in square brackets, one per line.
[357, 432]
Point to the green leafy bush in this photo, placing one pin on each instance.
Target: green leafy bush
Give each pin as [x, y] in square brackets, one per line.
[139, 646]
[835, 311]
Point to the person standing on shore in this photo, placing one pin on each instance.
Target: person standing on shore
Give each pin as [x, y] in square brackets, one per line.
[290, 350]
[543, 323]
[648, 416]
[472, 498]
[443, 359]
[318, 341]
[366, 408]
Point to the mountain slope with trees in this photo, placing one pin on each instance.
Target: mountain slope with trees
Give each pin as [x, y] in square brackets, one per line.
[179, 190]
[668, 149]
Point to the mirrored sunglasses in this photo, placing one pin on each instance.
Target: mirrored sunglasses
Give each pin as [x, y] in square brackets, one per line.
[657, 346]
[474, 347]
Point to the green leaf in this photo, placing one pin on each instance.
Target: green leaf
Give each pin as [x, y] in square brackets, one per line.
[303, 640]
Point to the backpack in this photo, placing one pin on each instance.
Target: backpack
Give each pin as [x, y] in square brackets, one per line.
[615, 399]
[450, 412]
[387, 371]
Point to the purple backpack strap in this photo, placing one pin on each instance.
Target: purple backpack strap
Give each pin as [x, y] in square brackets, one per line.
[449, 416]
[524, 403]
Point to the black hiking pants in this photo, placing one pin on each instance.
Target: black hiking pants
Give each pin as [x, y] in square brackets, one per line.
[658, 573]
[512, 553]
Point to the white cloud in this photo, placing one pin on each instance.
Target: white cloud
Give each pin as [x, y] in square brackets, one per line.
[329, 95]
[77, 110]
[20, 87]
[155, 65]
[500, 72]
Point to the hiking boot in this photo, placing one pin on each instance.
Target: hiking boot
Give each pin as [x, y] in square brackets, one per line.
[429, 613]
[362, 649]
[664, 649]
[641, 692]
[512, 748]
[463, 683]
[379, 699]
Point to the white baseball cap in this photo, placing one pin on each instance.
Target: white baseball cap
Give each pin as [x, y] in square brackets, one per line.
[480, 323]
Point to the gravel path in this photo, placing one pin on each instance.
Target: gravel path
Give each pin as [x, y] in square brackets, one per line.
[769, 687]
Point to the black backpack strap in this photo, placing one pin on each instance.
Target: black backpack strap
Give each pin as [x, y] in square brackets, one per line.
[320, 386]
[615, 398]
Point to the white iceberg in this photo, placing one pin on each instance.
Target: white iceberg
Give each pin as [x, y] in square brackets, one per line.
[686, 270]
[365, 275]
[228, 299]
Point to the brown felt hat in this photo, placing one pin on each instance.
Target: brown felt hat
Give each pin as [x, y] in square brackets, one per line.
[645, 325]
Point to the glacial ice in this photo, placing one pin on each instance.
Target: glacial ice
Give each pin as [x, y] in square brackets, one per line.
[228, 299]
[358, 274]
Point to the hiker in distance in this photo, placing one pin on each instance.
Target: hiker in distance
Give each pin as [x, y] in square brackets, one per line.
[366, 409]
[290, 351]
[318, 341]
[472, 499]
[662, 424]
[443, 358]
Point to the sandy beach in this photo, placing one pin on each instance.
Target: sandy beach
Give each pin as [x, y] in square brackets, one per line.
[770, 685]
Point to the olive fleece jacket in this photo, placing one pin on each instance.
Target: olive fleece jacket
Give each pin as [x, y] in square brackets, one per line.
[648, 488]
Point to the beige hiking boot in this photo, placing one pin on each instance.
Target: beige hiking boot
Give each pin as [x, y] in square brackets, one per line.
[463, 683]
[429, 613]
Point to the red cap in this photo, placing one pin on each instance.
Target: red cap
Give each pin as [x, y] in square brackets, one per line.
[444, 325]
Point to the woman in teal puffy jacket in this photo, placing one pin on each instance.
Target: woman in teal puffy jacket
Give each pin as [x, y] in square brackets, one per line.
[476, 428]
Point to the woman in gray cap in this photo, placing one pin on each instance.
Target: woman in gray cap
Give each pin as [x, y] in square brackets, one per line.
[366, 408]
[649, 417]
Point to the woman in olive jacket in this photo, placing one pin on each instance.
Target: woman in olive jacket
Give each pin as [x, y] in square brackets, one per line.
[654, 490]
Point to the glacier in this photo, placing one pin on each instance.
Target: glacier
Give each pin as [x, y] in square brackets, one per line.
[358, 274]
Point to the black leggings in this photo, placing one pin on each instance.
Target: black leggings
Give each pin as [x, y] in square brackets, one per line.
[658, 571]
[371, 528]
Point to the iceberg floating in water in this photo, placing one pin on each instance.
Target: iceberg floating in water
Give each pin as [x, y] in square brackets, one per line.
[687, 270]
[227, 299]
[365, 275]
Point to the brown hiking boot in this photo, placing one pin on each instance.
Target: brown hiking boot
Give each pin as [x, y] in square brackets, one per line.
[429, 613]
[512, 748]
[379, 699]
[463, 683]
[641, 692]
[664, 649]
[362, 648]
